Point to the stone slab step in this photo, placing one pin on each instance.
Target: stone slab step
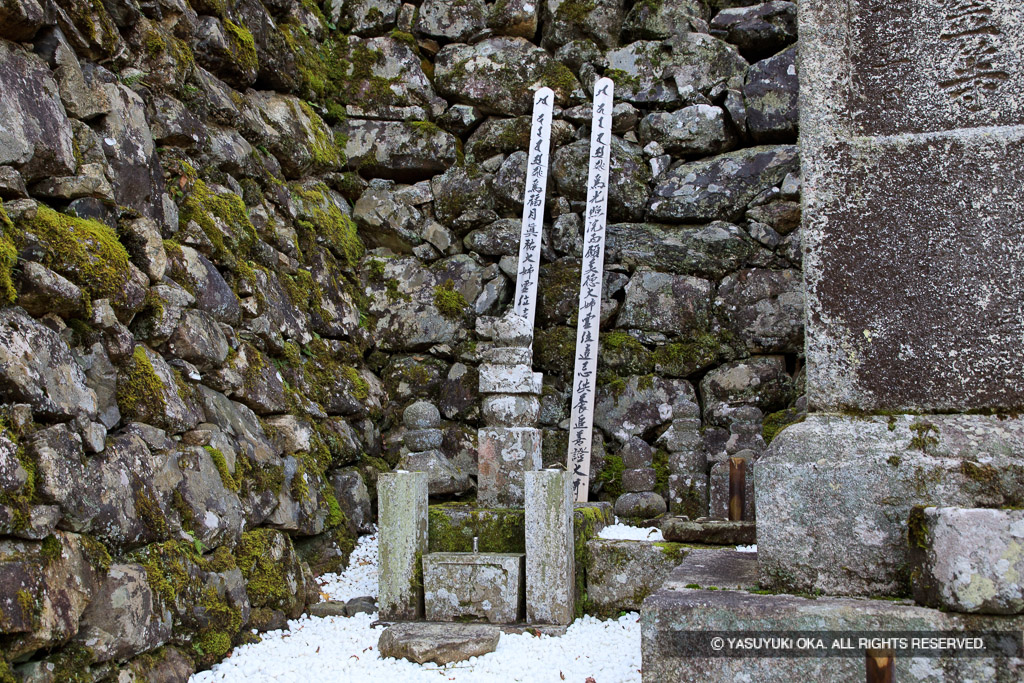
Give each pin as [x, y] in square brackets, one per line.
[723, 569]
[710, 531]
[670, 617]
[440, 643]
[443, 642]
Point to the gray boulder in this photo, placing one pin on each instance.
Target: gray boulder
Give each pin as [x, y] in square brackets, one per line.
[295, 134]
[697, 130]
[764, 308]
[684, 68]
[148, 390]
[387, 221]
[36, 367]
[437, 643]
[443, 477]
[770, 97]
[199, 340]
[20, 19]
[124, 619]
[58, 585]
[42, 291]
[760, 381]
[354, 498]
[707, 251]
[398, 150]
[662, 302]
[36, 137]
[643, 505]
[209, 488]
[457, 22]
[629, 178]
[569, 20]
[660, 20]
[637, 406]
[721, 187]
[758, 31]
[364, 17]
[137, 175]
[409, 94]
[499, 74]
[408, 317]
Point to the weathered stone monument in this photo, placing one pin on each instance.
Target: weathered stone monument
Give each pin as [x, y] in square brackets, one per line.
[912, 145]
[496, 587]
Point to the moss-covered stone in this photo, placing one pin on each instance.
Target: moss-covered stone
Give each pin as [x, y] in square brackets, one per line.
[86, 252]
[8, 258]
[452, 527]
[242, 46]
[140, 393]
[449, 301]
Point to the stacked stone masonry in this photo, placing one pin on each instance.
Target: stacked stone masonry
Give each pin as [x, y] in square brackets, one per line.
[240, 239]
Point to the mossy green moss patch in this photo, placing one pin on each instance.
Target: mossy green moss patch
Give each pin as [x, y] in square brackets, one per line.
[86, 252]
[8, 258]
[242, 46]
[140, 392]
[450, 301]
[265, 578]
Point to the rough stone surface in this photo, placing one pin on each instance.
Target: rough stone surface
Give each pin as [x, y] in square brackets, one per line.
[675, 304]
[485, 586]
[770, 98]
[123, 618]
[509, 379]
[438, 643]
[640, 505]
[764, 308]
[621, 574]
[711, 531]
[706, 251]
[505, 454]
[722, 569]
[402, 517]
[36, 367]
[721, 187]
[853, 539]
[444, 477]
[550, 566]
[968, 560]
[671, 611]
[945, 103]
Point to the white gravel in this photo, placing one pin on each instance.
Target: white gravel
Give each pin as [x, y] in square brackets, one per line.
[344, 649]
[360, 579]
[624, 532]
[747, 548]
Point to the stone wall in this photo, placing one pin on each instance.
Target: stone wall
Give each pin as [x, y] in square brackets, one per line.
[239, 238]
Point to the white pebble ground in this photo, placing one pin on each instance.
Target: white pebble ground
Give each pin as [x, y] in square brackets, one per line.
[624, 532]
[344, 649]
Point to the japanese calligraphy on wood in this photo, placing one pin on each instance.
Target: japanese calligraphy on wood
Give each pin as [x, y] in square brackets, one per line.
[581, 421]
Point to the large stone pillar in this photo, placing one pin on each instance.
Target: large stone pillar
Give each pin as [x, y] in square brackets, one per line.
[550, 559]
[912, 146]
[402, 511]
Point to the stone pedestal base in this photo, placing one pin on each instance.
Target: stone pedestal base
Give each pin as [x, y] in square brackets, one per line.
[473, 585]
[834, 493]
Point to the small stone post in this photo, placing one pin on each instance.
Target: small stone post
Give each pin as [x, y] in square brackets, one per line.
[402, 504]
[550, 562]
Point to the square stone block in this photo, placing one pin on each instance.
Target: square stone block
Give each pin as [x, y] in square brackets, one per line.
[487, 586]
[509, 379]
[968, 560]
[834, 493]
[621, 574]
[507, 355]
[550, 560]
[504, 453]
[914, 252]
